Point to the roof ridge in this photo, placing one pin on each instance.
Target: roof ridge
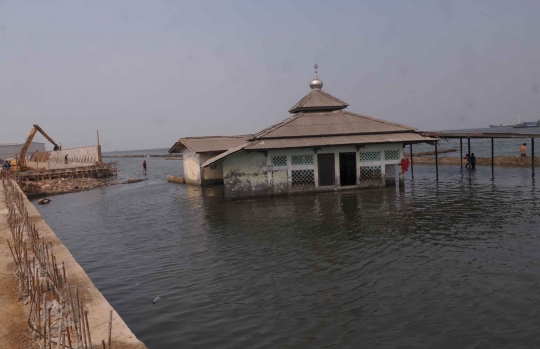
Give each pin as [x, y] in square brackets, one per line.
[380, 120]
[276, 126]
[333, 97]
[203, 137]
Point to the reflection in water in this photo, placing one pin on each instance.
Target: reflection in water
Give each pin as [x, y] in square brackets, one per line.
[450, 264]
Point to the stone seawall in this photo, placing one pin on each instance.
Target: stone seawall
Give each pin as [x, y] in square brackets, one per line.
[14, 314]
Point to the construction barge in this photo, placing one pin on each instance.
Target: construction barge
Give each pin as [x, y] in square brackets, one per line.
[102, 170]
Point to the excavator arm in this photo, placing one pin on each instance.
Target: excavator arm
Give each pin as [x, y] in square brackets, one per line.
[22, 158]
[45, 135]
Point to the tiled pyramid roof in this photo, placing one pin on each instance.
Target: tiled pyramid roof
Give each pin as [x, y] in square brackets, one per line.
[317, 100]
[327, 123]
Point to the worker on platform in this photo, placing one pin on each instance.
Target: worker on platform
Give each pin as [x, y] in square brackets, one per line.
[523, 150]
[144, 167]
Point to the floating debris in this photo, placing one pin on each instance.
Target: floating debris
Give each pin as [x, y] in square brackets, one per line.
[156, 300]
[44, 201]
[62, 185]
[134, 180]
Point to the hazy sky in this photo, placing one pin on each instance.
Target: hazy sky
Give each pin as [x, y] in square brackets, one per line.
[146, 73]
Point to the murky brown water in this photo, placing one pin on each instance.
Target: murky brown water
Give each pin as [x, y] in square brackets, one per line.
[453, 264]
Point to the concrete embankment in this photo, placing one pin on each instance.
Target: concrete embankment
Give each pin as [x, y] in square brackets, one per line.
[14, 315]
[508, 161]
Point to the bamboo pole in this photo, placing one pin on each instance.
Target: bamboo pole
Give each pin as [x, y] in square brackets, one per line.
[49, 326]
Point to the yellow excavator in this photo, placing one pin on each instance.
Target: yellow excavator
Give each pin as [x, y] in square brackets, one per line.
[19, 164]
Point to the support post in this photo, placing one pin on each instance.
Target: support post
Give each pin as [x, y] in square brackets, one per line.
[436, 161]
[461, 153]
[469, 151]
[412, 170]
[492, 160]
[532, 153]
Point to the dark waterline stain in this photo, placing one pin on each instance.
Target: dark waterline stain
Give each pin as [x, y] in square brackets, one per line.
[448, 264]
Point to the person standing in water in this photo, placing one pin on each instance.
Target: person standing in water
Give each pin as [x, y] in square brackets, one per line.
[523, 150]
[468, 158]
[144, 167]
[473, 161]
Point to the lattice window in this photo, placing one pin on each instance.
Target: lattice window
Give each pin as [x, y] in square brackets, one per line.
[391, 154]
[370, 156]
[303, 178]
[302, 160]
[279, 160]
[370, 173]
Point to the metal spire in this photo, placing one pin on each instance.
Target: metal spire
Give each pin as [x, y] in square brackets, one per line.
[316, 84]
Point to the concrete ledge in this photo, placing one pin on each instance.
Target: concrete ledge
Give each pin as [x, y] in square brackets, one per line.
[176, 179]
[57, 165]
[99, 308]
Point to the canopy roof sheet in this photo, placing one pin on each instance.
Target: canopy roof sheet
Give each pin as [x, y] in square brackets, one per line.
[208, 144]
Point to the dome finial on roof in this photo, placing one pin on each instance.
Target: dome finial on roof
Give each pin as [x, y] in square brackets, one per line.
[316, 84]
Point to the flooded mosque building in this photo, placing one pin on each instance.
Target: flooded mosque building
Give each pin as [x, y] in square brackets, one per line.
[196, 150]
[320, 147]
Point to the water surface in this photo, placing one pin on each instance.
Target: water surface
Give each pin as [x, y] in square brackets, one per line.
[452, 264]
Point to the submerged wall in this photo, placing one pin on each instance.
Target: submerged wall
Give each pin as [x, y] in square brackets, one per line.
[212, 174]
[245, 175]
[289, 171]
[194, 174]
[192, 167]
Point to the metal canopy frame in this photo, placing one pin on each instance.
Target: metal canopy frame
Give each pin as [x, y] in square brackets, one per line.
[469, 136]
